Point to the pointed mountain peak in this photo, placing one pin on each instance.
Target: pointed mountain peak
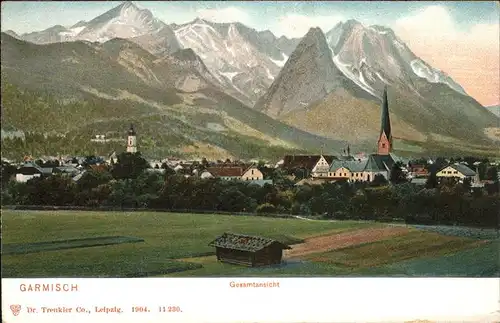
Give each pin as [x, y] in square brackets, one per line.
[352, 23]
[314, 36]
[56, 28]
[199, 20]
[314, 31]
[11, 33]
[127, 4]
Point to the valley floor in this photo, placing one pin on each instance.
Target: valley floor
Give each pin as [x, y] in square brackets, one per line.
[138, 244]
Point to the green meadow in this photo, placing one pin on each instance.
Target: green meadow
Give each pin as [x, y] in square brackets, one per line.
[142, 244]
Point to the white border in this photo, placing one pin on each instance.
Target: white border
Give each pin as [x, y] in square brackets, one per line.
[295, 300]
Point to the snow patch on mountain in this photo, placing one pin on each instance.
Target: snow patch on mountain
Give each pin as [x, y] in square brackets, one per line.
[346, 70]
[362, 61]
[269, 75]
[282, 62]
[72, 32]
[432, 75]
[400, 46]
[381, 78]
[229, 75]
[377, 30]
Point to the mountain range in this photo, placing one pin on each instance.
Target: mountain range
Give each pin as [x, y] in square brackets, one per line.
[309, 93]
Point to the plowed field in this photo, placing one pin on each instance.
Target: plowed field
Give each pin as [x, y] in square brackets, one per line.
[342, 240]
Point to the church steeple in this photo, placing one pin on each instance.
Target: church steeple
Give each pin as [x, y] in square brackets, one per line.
[385, 137]
[131, 131]
[131, 140]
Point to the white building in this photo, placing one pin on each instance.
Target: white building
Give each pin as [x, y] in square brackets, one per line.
[29, 171]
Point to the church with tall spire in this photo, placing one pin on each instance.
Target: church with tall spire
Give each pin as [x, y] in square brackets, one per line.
[384, 159]
[381, 162]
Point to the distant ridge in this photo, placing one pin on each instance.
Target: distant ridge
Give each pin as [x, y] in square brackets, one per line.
[495, 109]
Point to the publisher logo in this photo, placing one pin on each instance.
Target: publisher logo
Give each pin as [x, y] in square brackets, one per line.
[16, 309]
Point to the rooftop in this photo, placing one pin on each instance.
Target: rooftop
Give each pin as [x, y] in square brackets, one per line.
[244, 242]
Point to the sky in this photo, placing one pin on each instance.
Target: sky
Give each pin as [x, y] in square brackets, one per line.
[460, 38]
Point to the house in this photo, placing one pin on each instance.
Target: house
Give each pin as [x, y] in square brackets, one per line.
[248, 250]
[322, 166]
[225, 173]
[252, 174]
[27, 172]
[362, 170]
[348, 170]
[456, 171]
[155, 170]
[155, 163]
[112, 158]
[206, 174]
[418, 171]
[308, 162]
[31, 170]
[66, 170]
[419, 181]
[78, 177]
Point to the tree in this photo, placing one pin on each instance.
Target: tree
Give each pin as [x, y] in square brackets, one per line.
[467, 184]
[92, 179]
[129, 165]
[397, 175]
[7, 172]
[53, 190]
[167, 170]
[379, 180]
[492, 174]
[232, 199]
[432, 181]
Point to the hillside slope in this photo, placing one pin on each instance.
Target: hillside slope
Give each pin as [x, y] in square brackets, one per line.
[81, 89]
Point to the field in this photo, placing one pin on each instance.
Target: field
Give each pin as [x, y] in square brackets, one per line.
[94, 244]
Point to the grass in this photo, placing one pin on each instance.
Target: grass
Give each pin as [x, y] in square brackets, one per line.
[416, 244]
[176, 245]
[166, 237]
[483, 261]
[288, 269]
[24, 248]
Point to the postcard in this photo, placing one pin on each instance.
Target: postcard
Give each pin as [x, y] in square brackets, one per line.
[212, 161]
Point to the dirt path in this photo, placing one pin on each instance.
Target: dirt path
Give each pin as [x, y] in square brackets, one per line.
[342, 240]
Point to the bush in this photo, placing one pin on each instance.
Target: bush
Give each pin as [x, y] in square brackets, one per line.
[266, 208]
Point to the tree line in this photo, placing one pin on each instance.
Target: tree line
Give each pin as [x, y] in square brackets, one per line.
[129, 183]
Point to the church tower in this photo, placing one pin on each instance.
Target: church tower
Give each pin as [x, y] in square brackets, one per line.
[384, 143]
[131, 140]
